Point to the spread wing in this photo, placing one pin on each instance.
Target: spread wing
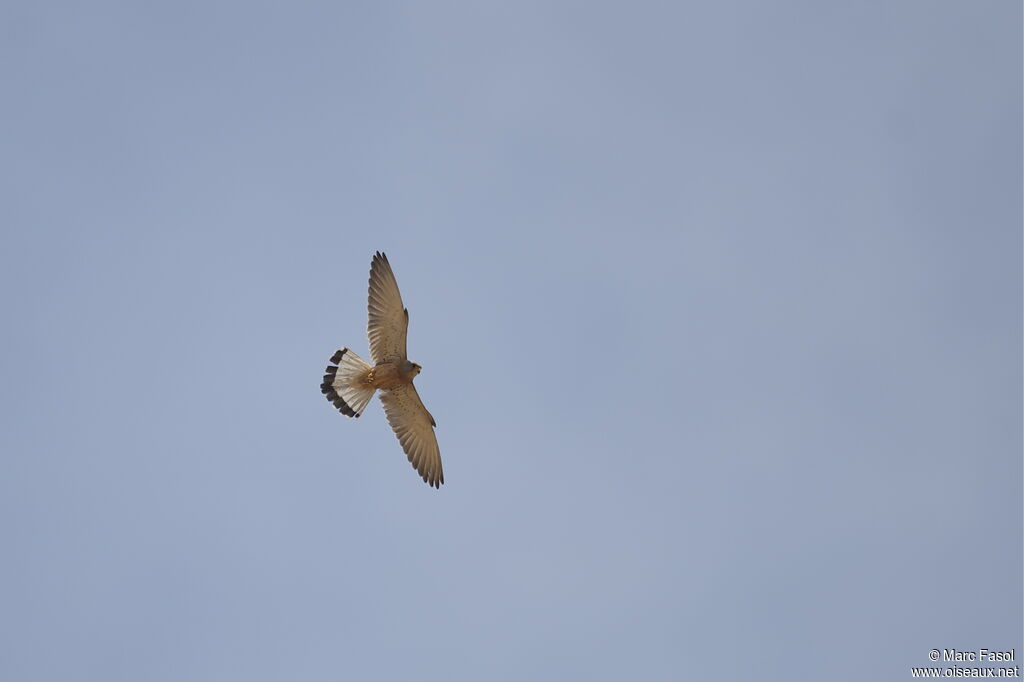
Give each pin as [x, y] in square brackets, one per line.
[389, 319]
[415, 430]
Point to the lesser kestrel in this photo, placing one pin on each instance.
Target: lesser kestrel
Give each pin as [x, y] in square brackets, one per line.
[350, 381]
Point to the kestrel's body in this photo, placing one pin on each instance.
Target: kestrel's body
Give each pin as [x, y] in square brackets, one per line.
[350, 382]
[387, 375]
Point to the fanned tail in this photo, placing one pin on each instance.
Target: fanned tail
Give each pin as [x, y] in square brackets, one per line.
[342, 384]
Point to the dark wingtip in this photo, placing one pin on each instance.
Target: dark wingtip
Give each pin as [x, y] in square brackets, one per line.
[338, 355]
[435, 483]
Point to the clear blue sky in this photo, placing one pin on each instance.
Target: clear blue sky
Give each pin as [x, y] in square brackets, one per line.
[718, 304]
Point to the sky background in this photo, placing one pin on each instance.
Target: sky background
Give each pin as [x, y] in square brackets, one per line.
[718, 304]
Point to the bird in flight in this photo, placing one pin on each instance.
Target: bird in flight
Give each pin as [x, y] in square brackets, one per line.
[350, 381]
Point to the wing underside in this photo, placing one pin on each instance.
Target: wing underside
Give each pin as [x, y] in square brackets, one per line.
[414, 427]
[388, 318]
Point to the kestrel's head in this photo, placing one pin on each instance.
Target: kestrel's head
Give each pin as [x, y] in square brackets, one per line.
[412, 368]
